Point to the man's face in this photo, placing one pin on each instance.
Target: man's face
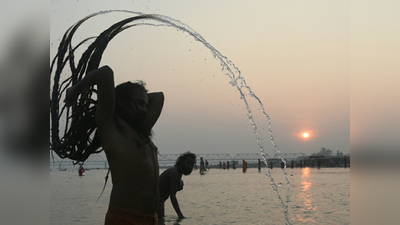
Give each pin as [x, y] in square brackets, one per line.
[188, 166]
[139, 102]
[136, 107]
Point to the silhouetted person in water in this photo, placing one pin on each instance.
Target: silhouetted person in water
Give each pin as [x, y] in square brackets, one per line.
[124, 118]
[81, 170]
[171, 183]
[201, 165]
[259, 165]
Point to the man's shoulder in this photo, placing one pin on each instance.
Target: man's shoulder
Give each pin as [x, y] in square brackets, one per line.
[117, 127]
[172, 171]
[167, 173]
[119, 136]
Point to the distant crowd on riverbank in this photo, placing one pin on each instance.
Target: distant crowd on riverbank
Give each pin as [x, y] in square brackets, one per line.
[300, 162]
[316, 162]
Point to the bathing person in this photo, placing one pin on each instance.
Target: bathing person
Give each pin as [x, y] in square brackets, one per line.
[171, 182]
[124, 118]
[81, 170]
[201, 165]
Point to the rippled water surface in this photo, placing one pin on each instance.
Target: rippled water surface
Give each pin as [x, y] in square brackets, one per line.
[318, 196]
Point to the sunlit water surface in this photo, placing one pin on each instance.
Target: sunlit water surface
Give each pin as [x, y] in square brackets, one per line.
[318, 196]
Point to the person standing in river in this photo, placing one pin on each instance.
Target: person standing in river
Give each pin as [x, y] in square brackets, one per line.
[81, 170]
[201, 165]
[124, 118]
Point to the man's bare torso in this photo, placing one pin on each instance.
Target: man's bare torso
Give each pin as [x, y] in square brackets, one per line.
[134, 168]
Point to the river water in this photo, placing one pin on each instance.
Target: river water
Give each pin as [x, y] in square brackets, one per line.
[318, 196]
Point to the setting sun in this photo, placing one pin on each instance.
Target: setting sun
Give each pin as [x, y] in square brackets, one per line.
[305, 135]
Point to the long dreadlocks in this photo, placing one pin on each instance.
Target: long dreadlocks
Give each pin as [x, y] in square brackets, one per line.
[79, 139]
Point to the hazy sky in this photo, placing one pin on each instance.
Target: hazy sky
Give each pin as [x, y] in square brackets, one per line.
[293, 54]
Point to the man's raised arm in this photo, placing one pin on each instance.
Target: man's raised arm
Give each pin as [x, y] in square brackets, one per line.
[103, 77]
[156, 103]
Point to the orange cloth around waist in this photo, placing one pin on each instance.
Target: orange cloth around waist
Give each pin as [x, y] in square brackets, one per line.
[117, 216]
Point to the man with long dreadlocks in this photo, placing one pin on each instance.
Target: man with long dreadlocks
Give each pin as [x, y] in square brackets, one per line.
[124, 118]
[171, 183]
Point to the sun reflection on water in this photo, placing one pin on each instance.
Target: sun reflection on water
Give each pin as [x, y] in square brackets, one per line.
[306, 197]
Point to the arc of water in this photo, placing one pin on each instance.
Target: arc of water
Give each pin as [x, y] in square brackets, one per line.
[239, 82]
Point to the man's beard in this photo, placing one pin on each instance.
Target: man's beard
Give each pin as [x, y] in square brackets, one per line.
[185, 170]
[138, 123]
